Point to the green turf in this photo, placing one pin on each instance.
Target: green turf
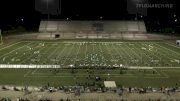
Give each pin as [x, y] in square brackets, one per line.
[92, 54]
[101, 58]
[138, 78]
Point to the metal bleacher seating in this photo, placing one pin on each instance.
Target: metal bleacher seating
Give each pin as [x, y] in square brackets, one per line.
[91, 29]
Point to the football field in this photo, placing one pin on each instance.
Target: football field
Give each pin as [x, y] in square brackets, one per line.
[129, 63]
[91, 54]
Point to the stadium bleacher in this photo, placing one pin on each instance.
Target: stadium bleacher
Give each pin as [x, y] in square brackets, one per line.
[90, 29]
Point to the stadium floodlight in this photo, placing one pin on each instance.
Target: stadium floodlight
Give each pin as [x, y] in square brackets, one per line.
[47, 5]
[22, 19]
[53, 5]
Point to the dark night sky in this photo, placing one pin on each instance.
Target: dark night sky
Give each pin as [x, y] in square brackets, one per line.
[83, 8]
[12, 11]
[90, 8]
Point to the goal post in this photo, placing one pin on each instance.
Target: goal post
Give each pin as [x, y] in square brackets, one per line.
[1, 38]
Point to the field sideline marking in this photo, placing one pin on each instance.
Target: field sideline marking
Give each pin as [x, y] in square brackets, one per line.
[154, 52]
[69, 52]
[169, 49]
[26, 75]
[163, 51]
[14, 50]
[46, 52]
[10, 45]
[35, 74]
[118, 52]
[34, 71]
[134, 53]
[103, 75]
[38, 49]
[30, 51]
[119, 48]
[171, 57]
[110, 51]
[77, 54]
[172, 45]
[74, 75]
[58, 56]
[147, 55]
[164, 74]
[87, 42]
[32, 55]
[20, 52]
[52, 53]
[78, 76]
[103, 60]
[139, 49]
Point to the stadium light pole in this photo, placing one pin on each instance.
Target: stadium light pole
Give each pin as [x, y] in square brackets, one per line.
[47, 2]
[47, 7]
[136, 2]
[60, 7]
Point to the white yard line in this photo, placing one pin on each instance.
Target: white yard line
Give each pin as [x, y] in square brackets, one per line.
[116, 50]
[31, 55]
[160, 53]
[152, 54]
[46, 52]
[165, 55]
[133, 51]
[68, 55]
[52, 53]
[60, 53]
[134, 54]
[120, 54]
[169, 49]
[112, 58]
[14, 50]
[102, 53]
[147, 55]
[164, 74]
[124, 51]
[172, 45]
[77, 54]
[156, 77]
[10, 45]
[156, 71]
[34, 71]
[14, 55]
[26, 75]
[28, 51]
[85, 53]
